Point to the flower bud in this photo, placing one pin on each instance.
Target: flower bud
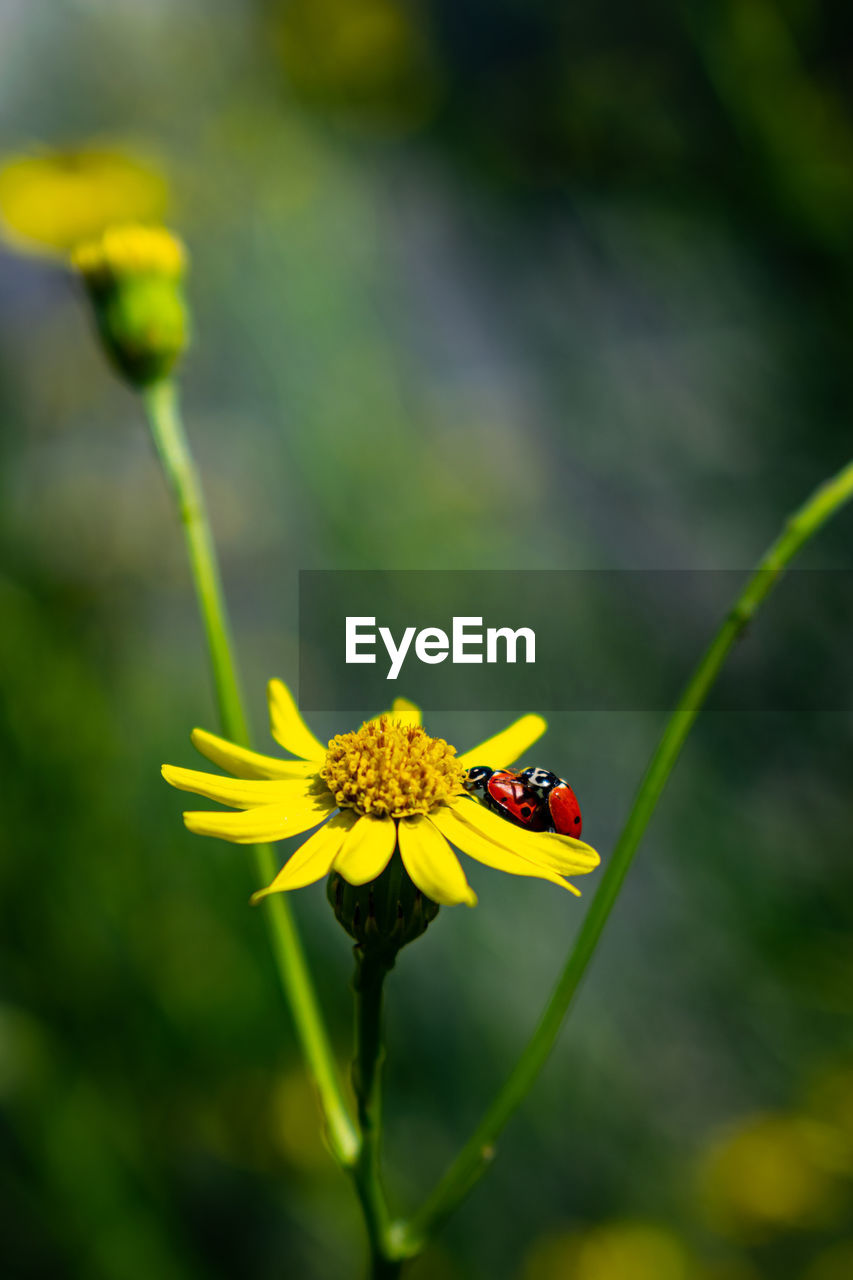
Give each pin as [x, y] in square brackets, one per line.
[384, 915]
[134, 275]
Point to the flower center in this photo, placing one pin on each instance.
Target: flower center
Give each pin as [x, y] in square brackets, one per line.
[389, 769]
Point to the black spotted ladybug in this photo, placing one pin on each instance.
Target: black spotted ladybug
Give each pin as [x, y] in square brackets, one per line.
[558, 796]
[534, 798]
[505, 793]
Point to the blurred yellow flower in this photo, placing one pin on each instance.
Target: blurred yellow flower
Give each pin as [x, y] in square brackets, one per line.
[51, 200]
[775, 1172]
[133, 274]
[368, 59]
[129, 250]
[625, 1250]
[388, 785]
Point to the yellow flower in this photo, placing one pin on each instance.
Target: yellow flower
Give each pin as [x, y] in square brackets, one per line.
[368, 60]
[134, 274]
[776, 1171]
[618, 1250]
[51, 200]
[387, 785]
[129, 249]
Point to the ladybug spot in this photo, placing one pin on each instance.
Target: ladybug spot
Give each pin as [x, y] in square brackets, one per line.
[525, 811]
[577, 820]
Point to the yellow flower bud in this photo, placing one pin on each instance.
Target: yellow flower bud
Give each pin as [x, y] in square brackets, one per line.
[134, 276]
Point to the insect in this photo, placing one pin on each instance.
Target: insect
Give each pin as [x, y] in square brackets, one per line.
[534, 798]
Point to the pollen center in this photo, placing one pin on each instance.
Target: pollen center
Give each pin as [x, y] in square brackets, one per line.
[389, 769]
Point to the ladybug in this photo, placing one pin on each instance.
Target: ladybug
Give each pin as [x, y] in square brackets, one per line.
[507, 794]
[534, 798]
[559, 798]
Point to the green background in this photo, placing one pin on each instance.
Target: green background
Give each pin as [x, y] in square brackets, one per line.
[475, 286]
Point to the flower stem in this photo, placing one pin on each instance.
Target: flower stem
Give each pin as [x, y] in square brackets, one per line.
[477, 1153]
[161, 405]
[370, 974]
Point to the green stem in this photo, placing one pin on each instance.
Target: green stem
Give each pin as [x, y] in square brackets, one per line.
[368, 986]
[477, 1153]
[161, 404]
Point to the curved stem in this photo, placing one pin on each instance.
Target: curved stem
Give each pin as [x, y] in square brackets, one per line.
[476, 1154]
[161, 405]
[369, 982]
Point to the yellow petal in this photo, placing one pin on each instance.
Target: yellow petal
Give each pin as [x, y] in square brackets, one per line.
[432, 864]
[54, 199]
[484, 850]
[244, 763]
[407, 712]
[367, 850]
[403, 710]
[258, 825]
[238, 792]
[312, 860]
[506, 747]
[287, 726]
[561, 853]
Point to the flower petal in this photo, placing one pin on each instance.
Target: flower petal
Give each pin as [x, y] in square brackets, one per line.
[367, 850]
[287, 726]
[402, 710]
[312, 860]
[405, 711]
[244, 763]
[432, 864]
[505, 747]
[561, 853]
[238, 792]
[264, 822]
[484, 850]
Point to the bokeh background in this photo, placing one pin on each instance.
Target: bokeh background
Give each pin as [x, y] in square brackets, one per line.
[475, 285]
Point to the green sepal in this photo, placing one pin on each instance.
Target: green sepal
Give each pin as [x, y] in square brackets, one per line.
[381, 916]
[144, 324]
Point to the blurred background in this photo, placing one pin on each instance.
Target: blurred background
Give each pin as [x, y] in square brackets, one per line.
[475, 285]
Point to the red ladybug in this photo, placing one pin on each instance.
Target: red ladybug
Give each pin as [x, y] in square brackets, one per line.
[558, 796]
[534, 798]
[505, 793]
